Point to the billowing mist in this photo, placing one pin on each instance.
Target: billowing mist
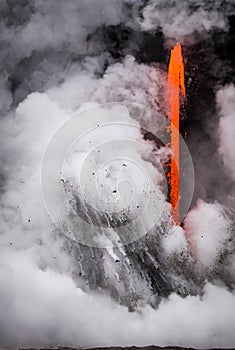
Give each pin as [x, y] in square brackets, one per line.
[168, 284]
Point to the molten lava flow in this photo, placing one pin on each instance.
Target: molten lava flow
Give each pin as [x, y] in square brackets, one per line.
[176, 87]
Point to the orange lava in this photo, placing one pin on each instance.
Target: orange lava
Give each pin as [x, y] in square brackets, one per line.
[176, 89]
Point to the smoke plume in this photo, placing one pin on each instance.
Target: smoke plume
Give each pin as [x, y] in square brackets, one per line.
[172, 286]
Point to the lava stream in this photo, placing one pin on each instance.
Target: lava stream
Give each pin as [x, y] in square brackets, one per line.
[176, 88]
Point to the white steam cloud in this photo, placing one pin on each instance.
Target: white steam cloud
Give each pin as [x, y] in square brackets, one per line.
[179, 19]
[42, 300]
[44, 307]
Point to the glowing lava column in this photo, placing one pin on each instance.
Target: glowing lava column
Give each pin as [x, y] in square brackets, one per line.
[176, 89]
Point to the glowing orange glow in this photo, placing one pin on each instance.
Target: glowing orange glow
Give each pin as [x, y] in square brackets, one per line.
[176, 88]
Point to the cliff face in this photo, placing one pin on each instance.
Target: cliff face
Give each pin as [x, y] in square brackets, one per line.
[136, 273]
